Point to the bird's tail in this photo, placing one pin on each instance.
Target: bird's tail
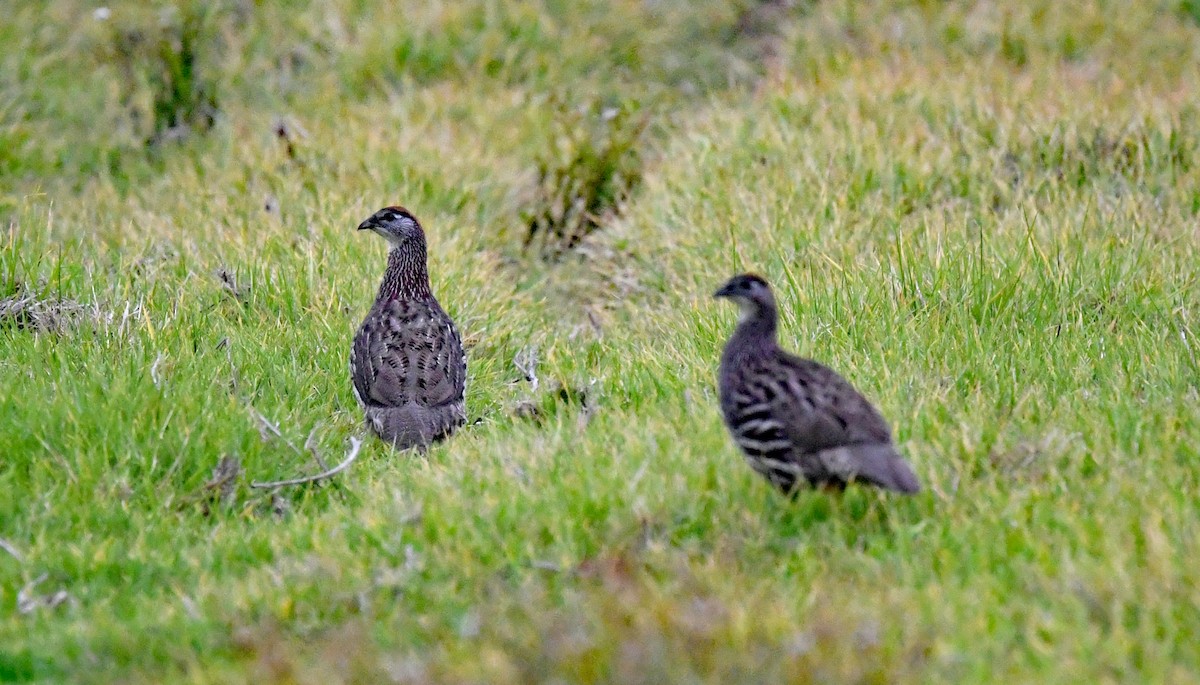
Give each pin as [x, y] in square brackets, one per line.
[411, 425]
[879, 464]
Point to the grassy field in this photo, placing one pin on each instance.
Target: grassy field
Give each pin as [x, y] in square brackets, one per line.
[986, 215]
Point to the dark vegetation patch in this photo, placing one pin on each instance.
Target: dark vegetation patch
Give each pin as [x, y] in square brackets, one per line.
[169, 71]
[593, 167]
[593, 161]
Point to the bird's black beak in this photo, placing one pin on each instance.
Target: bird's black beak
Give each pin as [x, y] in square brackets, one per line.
[725, 291]
[368, 224]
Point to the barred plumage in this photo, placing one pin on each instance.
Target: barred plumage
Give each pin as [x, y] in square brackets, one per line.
[799, 422]
[407, 362]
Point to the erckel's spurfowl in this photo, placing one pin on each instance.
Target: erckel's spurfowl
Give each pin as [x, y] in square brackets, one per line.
[407, 361]
[797, 421]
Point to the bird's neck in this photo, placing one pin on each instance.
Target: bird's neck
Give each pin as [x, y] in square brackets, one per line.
[407, 276]
[754, 334]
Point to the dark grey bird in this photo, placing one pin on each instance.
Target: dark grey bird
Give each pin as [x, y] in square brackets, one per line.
[797, 421]
[407, 362]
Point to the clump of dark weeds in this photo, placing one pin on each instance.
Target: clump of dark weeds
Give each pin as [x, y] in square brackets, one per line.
[168, 71]
[583, 181]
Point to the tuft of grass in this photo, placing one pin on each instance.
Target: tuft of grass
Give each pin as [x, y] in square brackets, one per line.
[169, 71]
[583, 182]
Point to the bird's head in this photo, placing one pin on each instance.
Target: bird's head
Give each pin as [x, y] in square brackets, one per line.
[396, 224]
[751, 293]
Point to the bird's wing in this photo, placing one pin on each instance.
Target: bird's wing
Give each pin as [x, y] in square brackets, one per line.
[878, 464]
[819, 409]
[408, 352]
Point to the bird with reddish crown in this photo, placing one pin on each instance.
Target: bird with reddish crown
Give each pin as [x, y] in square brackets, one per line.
[407, 362]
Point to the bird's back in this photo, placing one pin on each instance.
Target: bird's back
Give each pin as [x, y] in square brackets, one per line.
[408, 352]
[797, 419]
